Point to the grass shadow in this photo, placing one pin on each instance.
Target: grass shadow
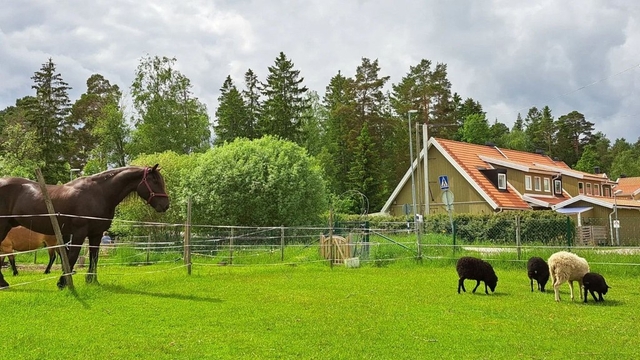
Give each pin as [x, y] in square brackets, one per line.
[117, 289]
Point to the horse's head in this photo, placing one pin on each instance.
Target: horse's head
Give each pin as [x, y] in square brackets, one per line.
[151, 188]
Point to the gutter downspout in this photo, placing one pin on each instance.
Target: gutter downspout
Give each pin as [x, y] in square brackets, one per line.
[611, 226]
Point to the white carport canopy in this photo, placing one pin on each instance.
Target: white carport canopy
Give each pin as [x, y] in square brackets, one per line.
[575, 210]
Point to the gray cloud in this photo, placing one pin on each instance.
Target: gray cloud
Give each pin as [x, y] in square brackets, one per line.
[509, 55]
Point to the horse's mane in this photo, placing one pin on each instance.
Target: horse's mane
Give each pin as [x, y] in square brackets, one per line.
[107, 174]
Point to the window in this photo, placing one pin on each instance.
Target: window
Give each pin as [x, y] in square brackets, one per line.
[588, 188]
[596, 189]
[536, 183]
[502, 181]
[580, 188]
[527, 182]
[557, 186]
[547, 184]
[606, 191]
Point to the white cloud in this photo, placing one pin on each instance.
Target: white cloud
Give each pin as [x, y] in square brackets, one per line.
[507, 54]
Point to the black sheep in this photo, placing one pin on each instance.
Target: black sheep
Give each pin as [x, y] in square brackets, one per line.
[594, 283]
[476, 269]
[538, 269]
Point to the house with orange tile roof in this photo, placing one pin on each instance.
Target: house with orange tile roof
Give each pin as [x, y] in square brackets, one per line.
[629, 188]
[486, 179]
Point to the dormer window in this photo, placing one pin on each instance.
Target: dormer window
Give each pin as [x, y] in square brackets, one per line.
[527, 182]
[580, 188]
[502, 181]
[588, 188]
[557, 187]
[547, 185]
[596, 189]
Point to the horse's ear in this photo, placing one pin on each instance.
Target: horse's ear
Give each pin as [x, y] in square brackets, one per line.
[155, 167]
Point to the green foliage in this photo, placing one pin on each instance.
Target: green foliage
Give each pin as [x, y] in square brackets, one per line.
[539, 227]
[264, 182]
[476, 129]
[169, 116]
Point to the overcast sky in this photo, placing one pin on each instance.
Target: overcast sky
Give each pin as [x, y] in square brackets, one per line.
[509, 55]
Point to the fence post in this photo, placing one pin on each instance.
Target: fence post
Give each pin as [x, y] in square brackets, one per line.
[518, 240]
[281, 242]
[453, 232]
[568, 233]
[148, 247]
[66, 266]
[231, 246]
[331, 237]
[187, 238]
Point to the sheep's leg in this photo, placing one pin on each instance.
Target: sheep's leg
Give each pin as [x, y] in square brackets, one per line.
[580, 286]
[461, 285]
[531, 284]
[556, 290]
[477, 284]
[571, 288]
[601, 298]
[585, 295]
[486, 291]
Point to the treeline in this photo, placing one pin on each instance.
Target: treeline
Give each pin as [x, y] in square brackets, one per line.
[357, 130]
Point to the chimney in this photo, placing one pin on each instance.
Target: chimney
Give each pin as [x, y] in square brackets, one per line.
[623, 176]
[596, 169]
[490, 143]
[540, 151]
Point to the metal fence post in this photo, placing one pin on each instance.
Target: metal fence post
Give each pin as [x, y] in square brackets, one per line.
[231, 247]
[568, 233]
[518, 240]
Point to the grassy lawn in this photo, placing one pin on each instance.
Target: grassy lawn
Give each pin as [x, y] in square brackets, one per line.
[400, 311]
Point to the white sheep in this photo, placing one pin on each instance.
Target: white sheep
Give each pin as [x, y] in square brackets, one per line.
[566, 266]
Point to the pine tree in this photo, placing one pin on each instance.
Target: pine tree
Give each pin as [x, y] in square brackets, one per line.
[251, 96]
[284, 101]
[49, 116]
[574, 132]
[232, 116]
[85, 113]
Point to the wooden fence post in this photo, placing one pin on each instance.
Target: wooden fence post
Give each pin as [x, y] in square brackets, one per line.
[148, 248]
[281, 243]
[231, 246]
[187, 238]
[66, 267]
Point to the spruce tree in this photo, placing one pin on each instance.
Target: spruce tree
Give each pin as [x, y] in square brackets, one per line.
[49, 116]
[232, 120]
[284, 102]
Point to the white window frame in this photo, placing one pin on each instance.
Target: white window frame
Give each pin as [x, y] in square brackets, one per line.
[527, 182]
[502, 181]
[536, 183]
[546, 182]
[580, 188]
[557, 184]
[596, 190]
[589, 189]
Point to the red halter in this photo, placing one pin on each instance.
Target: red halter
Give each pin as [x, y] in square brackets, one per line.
[151, 193]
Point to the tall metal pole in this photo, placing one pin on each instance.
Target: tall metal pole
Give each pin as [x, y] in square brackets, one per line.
[413, 187]
[427, 196]
[413, 183]
[615, 205]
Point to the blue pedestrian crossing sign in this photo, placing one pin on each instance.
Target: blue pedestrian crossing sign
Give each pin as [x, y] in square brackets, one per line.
[444, 182]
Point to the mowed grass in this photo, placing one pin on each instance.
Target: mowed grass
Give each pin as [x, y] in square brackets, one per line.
[404, 310]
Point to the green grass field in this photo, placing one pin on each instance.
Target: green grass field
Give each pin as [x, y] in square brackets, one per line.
[403, 310]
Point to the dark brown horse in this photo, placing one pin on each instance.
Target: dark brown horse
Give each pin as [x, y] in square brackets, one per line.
[22, 239]
[86, 207]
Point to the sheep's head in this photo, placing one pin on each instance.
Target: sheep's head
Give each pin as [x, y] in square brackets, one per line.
[492, 283]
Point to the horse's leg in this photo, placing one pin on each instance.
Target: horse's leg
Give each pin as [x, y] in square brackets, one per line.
[94, 251]
[12, 261]
[4, 230]
[52, 258]
[72, 254]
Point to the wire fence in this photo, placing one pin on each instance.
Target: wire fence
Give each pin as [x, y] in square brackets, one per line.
[351, 245]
